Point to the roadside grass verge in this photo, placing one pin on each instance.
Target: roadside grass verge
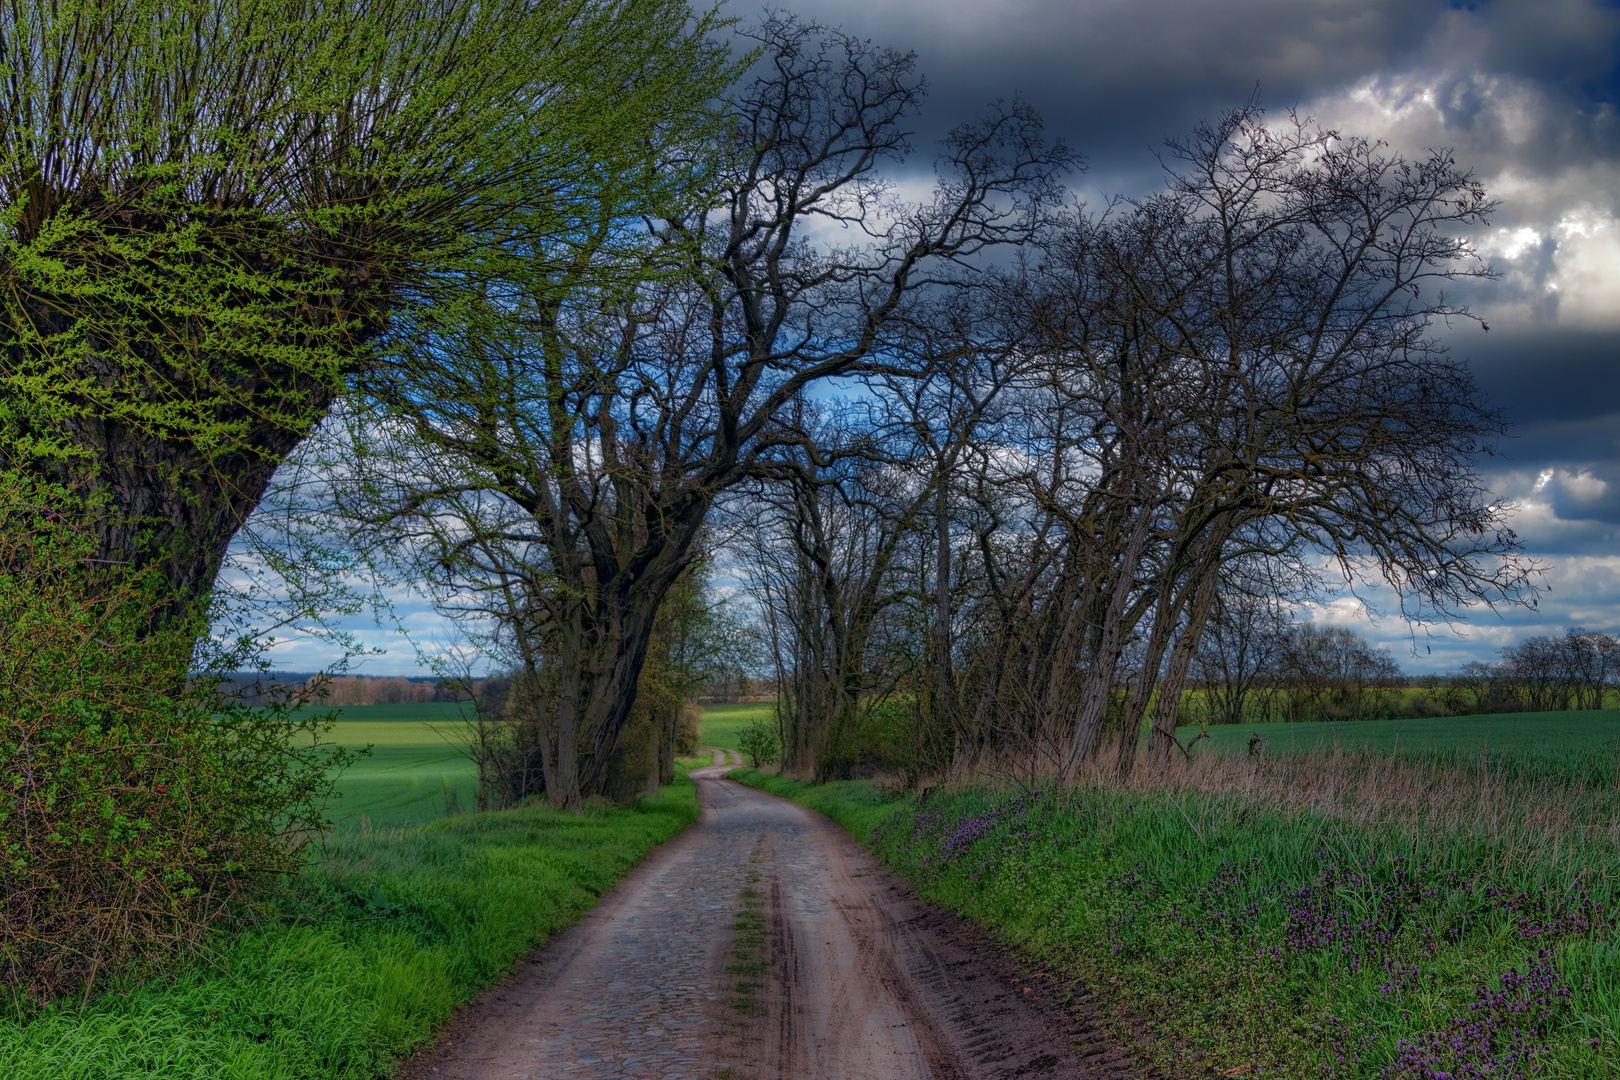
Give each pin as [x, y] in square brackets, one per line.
[357, 961]
[1334, 915]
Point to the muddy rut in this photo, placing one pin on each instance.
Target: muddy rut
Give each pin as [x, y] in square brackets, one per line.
[764, 943]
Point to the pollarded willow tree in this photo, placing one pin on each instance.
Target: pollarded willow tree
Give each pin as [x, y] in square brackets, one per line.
[214, 214]
[575, 453]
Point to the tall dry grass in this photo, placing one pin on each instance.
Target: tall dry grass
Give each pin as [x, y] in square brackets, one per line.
[1520, 813]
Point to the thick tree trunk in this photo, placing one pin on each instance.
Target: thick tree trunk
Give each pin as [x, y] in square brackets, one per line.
[563, 787]
[168, 429]
[162, 505]
[606, 633]
[1142, 693]
[667, 732]
[1111, 642]
[1168, 707]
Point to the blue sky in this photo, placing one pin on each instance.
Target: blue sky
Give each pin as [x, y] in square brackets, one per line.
[1525, 93]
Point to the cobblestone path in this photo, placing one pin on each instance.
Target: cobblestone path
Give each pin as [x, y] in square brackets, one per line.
[763, 942]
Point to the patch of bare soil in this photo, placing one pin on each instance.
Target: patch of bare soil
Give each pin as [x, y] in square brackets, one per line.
[972, 1010]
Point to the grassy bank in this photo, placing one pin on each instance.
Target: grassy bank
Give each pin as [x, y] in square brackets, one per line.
[1336, 916]
[360, 959]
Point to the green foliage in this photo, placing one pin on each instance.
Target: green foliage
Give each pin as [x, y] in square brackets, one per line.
[136, 800]
[208, 195]
[885, 734]
[361, 958]
[1278, 944]
[760, 741]
[215, 215]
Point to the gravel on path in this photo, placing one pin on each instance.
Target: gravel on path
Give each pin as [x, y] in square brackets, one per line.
[763, 942]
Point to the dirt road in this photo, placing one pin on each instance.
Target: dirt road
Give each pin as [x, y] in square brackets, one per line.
[765, 943]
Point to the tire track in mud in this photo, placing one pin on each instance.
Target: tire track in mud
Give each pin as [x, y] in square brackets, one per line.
[765, 944]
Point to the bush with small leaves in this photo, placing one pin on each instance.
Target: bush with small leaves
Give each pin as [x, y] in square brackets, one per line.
[759, 740]
[137, 798]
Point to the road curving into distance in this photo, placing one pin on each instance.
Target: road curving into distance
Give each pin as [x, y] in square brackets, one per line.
[765, 943]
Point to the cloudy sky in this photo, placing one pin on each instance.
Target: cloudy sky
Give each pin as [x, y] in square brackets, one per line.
[1524, 91]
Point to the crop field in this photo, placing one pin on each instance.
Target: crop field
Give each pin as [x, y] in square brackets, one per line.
[416, 772]
[721, 724]
[1583, 745]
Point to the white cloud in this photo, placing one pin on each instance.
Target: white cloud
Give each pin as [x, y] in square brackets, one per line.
[1587, 275]
[1584, 486]
[1555, 237]
[1509, 244]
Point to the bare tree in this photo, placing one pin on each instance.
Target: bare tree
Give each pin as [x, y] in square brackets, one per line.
[1238, 659]
[1258, 339]
[607, 423]
[830, 555]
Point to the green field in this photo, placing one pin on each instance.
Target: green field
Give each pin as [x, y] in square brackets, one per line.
[416, 772]
[1585, 745]
[721, 724]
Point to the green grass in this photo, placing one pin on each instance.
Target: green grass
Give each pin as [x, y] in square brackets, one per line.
[722, 724]
[360, 959]
[1585, 745]
[416, 771]
[1270, 942]
[444, 713]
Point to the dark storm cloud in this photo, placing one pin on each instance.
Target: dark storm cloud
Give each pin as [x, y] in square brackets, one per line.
[1546, 375]
[1526, 93]
[1114, 78]
[1560, 391]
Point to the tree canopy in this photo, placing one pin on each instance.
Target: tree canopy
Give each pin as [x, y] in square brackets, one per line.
[212, 214]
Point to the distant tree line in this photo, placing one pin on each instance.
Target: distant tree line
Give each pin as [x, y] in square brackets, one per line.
[1540, 674]
[1269, 670]
[1280, 671]
[260, 688]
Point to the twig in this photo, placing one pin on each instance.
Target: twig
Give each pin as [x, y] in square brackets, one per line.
[1189, 821]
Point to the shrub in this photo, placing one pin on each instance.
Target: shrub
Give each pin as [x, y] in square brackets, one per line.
[136, 800]
[359, 958]
[760, 742]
